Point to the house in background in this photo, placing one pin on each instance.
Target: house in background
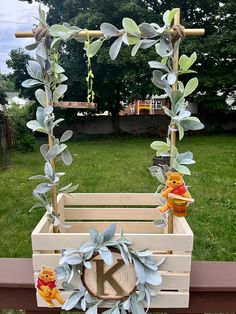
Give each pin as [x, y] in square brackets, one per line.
[152, 106]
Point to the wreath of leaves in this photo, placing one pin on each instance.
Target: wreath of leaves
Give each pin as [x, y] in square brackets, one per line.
[74, 260]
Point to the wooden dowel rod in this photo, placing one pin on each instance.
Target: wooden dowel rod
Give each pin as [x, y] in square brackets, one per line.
[98, 34]
[54, 189]
[173, 126]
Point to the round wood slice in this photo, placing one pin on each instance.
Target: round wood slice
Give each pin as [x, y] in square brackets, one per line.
[114, 282]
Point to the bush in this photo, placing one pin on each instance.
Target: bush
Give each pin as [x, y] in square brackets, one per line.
[23, 139]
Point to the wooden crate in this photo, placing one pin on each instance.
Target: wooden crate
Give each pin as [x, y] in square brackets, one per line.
[132, 212]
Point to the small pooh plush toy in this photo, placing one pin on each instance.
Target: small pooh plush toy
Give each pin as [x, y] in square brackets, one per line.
[46, 286]
[176, 194]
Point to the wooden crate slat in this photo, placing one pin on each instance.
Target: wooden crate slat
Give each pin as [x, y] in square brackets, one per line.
[119, 199]
[161, 300]
[171, 281]
[157, 242]
[127, 226]
[175, 263]
[120, 213]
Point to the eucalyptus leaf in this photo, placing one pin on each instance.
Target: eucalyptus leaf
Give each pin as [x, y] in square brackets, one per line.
[56, 30]
[36, 126]
[66, 157]
[41, 50]
[183, 169]
[66, 136]
[181, 131]
[41, 97]
[115, 48]
[52, 152]
[192, 123]
[109, 232]
[158, 65]
[190, 86]
[170, 16]
[109, 30]
[30, 83]
[158, 81]
[136, 48]
[160, 176]
[72, 301]
[32, 46]
[34, 69]
[59, 92]
[167, 111]
[37, 177]
[48, 170]
[147, 30]
[171, 78]
[87, 247]
[40, 116]
[94, 47]
[106, 256]
[153, 277]
[131, 27]
[140, 271]
[43, 188]
[44, 149]
[147, 43]
[57, 68]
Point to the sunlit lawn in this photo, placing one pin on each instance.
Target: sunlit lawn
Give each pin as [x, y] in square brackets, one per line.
[121, 165]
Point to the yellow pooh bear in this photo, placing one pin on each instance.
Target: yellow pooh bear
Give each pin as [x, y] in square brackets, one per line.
[176, 194]
[46, 286]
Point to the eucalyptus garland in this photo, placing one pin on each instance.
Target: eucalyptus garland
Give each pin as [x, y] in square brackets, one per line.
[73, 261]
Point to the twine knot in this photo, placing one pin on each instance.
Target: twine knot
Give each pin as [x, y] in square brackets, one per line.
[178, 32]
[39, 33]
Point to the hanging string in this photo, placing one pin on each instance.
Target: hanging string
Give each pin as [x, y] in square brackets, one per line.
[90, 76]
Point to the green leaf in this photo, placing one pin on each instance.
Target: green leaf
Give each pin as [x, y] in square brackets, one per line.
[57, 68]
[56, 29]
[55, 41]
[66, 136]
[94, 47]
[190, 86]
[41, 97]
[184, 62]
[115, 48]
[131, 27]
[109, 30]
[32, 46]
[160, 147]
[171, 16]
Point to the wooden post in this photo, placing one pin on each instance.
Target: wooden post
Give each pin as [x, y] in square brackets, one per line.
[54, 189]
[173, 126]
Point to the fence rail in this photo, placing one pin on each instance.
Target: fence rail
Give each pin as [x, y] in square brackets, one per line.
[212, 288]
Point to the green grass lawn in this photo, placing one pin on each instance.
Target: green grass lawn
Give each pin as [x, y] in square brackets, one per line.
[121, 165]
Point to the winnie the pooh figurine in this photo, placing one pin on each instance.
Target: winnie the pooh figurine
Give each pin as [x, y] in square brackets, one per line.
[176, 194]
[46, 286]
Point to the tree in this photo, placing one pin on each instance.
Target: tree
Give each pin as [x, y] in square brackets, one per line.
[216, 50]
[17, 62]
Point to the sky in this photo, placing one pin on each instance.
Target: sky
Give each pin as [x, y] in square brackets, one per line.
[14, 16]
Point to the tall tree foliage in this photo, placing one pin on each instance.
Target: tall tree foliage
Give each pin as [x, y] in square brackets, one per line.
[127, 77]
